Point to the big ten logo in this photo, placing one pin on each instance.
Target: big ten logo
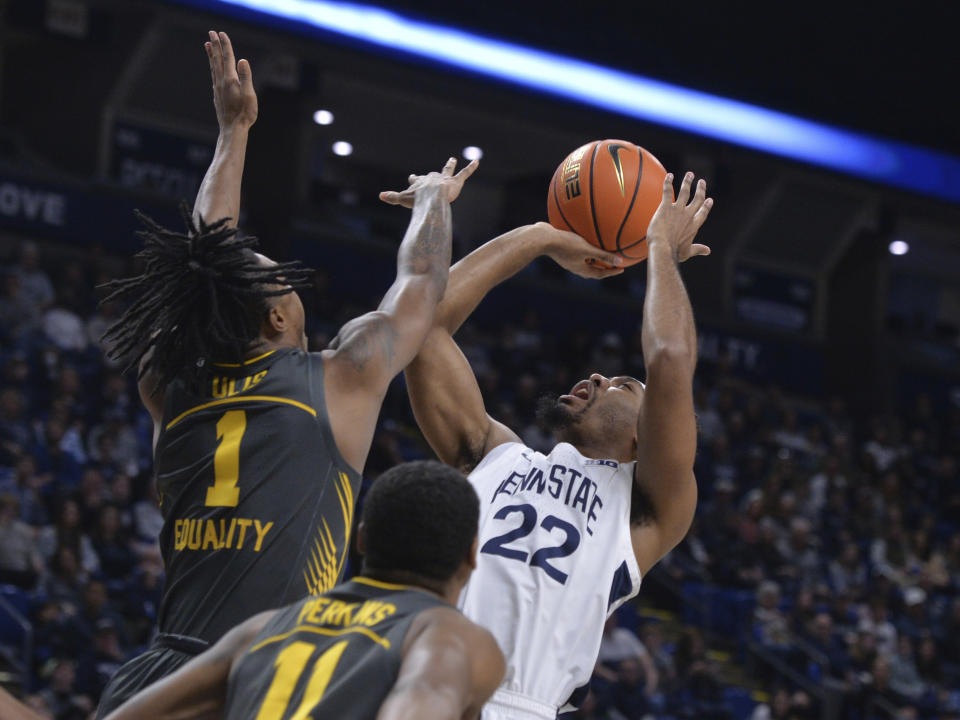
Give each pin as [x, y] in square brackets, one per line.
[224, 387]
[571, 173]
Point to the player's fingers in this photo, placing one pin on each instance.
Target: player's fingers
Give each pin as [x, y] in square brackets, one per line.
[449, 167]
[216, 56]
[698, 249]
[701, 215]
[668, 188]
[468, 170]
[245, 74]
[684, 195]
[229, 63]
[208, 49]
[390, 197]
[699, 196]
[412, 178]
[608, 258]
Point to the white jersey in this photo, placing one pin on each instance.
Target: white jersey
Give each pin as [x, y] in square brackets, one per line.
[555, 559]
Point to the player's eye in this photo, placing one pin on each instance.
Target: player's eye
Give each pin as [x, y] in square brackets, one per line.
[628, 385]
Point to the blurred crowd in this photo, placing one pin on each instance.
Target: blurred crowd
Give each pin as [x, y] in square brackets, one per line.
[834, 539]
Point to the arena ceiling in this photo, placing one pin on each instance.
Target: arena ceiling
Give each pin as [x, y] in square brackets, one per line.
[140, 62]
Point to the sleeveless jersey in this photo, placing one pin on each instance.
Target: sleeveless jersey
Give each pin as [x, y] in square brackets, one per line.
[257, 502]
[555, 560]
[333, 656]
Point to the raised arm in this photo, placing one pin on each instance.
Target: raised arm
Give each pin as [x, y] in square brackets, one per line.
[443, 390]
[235, 103]
[503, 257]
[666, 431]
[198, 690]
[371, 350]
[450, 668]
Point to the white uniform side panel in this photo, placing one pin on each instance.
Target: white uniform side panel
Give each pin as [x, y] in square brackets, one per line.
[555, 559]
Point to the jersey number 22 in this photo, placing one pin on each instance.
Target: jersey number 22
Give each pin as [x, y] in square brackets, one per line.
[541, 558]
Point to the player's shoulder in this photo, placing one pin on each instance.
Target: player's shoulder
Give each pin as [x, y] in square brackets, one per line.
[504, 451]
[447, 621]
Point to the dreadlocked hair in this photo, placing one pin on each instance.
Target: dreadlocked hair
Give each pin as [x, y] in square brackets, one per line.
[202, 296]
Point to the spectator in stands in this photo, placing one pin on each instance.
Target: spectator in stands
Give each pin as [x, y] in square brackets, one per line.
[34, 282]
[847, 572]
[68, 532]
[20, 563]
[95, 608]
[99, 662]
[697, 676]
[770, 625]
[904, 678]
[18, 316]
[875, 620]
[61, 695]
[64, 579]
[915, 621]
[111, 544]
[26, 484]
[828, 646]
[652, 637]
[881, 446]
[624, 663]
[801, 561]
[15, 435]
[929, 664]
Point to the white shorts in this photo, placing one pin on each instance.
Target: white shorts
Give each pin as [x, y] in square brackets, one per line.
[508, 705]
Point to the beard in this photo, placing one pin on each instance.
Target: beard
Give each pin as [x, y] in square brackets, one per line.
[559, 419]
[552, 414]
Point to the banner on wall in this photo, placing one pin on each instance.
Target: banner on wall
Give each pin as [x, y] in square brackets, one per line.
[168, 163]
[76, 214]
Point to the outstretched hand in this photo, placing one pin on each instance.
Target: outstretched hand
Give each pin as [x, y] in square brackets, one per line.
[445, 179]
[573, 253]
[676, 223]
[233, 96]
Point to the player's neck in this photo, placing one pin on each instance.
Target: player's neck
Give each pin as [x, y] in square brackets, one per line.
[262, 345]
[603, 451]
[443, 590]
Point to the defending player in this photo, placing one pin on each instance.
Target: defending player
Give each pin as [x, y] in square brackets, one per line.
[389, 644]
[566, 537]
[258, 443]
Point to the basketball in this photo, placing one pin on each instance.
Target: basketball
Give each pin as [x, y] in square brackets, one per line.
[607, 192]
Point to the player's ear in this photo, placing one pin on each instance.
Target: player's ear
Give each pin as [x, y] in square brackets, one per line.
[472, 554]
[277, 319]
[362, 539]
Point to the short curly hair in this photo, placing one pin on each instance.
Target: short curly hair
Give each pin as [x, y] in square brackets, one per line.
[420, 517]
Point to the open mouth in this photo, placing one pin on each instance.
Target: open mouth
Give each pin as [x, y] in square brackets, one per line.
[581, 391]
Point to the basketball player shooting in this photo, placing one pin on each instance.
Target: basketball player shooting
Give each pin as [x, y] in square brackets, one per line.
[566, 537]
[258, 444]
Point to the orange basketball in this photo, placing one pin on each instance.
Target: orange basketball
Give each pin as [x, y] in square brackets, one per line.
[607, 192]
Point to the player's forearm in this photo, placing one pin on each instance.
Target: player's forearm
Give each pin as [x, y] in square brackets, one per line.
[219, 194]
[425, 251]
[417, 701]
[11, 709]
[668, 326]
[482, 270]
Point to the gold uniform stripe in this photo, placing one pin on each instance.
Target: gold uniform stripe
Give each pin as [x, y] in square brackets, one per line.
[240, 399]
[323, 631]
[381, 584]
[251, 361]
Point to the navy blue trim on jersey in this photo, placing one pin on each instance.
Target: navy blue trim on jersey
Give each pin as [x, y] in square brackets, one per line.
[622, 585]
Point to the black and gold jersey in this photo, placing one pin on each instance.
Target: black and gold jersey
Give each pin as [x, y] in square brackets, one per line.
[333, 656]
[256, 500]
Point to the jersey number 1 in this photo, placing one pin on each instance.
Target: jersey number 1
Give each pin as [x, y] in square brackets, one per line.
[290, 664]
[226, 460]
